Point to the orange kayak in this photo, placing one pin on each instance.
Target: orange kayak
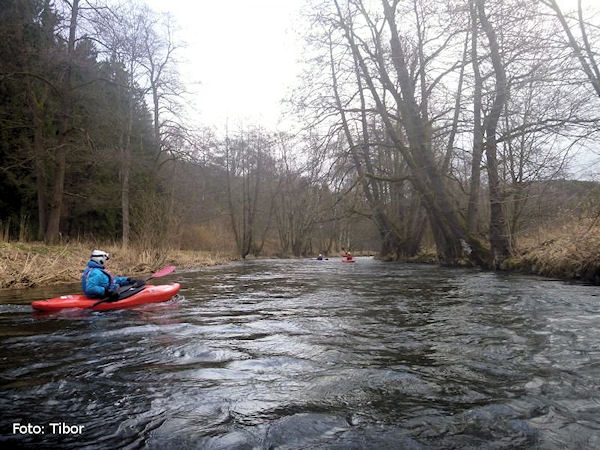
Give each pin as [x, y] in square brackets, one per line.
[150, 294]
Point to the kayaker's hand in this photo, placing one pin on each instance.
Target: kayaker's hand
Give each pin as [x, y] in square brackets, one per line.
[112, 292]
[136, 282]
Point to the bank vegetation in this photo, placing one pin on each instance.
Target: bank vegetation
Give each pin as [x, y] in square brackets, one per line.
[37, 264]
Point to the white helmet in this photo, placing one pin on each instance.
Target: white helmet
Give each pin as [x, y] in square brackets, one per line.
[100, 256]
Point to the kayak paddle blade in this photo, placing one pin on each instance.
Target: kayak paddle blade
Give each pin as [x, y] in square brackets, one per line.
[162, 272]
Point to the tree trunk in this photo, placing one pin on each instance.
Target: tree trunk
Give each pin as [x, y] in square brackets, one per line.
[41, 180]
[53, 228]
[126, 162]
[125, 173]
[473, 203]
[455, 118]
[232, 213]
[499, 242]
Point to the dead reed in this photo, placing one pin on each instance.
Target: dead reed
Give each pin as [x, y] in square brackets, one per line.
[571, 251]
[34, 264]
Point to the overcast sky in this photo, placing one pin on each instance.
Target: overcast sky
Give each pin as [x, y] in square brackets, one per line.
[240, 58]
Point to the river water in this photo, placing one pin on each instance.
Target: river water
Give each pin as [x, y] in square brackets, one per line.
[311, 354]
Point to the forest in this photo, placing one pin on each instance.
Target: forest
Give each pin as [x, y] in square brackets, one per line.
[451, 130]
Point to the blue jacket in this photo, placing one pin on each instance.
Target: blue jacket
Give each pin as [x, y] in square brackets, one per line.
[95, 280]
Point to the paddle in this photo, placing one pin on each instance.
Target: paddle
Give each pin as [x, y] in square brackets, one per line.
[161, 273]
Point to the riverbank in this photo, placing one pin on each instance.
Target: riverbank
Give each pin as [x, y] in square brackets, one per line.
[571, 252]
[568, 252]
[34, 264]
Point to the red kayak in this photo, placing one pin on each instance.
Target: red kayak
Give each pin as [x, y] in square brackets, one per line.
[150, 294]
[348, 260]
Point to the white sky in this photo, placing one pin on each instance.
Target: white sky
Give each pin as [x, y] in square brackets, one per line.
[240, 58]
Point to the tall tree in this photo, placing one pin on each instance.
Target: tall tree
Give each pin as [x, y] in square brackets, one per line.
[66, 109]
[245, 158]
[499, 240]
[475, 184]
[121, 31]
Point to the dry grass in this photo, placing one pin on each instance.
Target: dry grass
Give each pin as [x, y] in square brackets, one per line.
[571, 251]
[35, 264]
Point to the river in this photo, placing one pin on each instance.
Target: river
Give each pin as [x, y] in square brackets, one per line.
[311, 354]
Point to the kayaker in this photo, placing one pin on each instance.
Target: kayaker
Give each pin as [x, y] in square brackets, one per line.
[346, 254]
[320, 257]
[97, 282]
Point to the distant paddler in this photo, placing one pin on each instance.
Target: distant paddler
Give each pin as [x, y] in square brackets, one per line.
[346, 254]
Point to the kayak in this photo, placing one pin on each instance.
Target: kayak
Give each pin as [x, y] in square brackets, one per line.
[149, 294]
[348, 260]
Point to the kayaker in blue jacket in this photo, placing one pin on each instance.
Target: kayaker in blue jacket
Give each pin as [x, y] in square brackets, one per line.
[97, 282]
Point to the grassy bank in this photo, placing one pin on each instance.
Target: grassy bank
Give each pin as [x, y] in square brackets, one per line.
[35, 264]
[569, 252]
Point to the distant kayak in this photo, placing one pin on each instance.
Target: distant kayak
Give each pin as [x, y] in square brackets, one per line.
[148, 294]
[348, 260]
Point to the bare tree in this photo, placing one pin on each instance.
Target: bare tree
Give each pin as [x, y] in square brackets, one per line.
[56, 201]
[499, 241]
[360, 153]
[452, 240]
[583, 50]
[475, 184]
[245, 158]
[124, 32]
